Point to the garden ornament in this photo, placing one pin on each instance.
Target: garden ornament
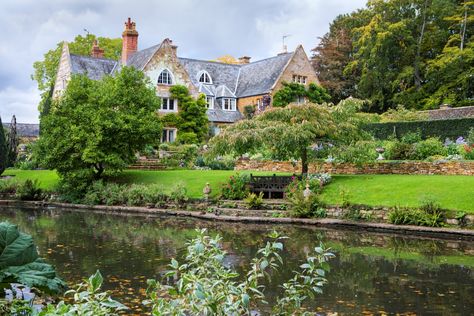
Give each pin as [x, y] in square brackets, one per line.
[307, 192]
[380, 150]
[207, 190]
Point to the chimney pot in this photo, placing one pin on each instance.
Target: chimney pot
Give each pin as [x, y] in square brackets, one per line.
[244, 60]
[96, 51]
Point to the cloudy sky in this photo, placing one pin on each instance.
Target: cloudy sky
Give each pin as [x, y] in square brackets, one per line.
[203, 29]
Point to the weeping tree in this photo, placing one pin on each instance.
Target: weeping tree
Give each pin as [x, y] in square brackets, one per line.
[289, 132]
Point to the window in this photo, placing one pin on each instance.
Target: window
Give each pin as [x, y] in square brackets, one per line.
[304, 80]
[209, 102]
[170, 105]
[228, 104]
[300, 100]
[205, 78]
[165, 77]
[168, 135]
[299, 79]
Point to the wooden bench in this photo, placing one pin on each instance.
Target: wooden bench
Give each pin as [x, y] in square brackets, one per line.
[272, 186]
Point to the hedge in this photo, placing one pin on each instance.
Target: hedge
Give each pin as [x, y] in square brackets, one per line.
[452, 128]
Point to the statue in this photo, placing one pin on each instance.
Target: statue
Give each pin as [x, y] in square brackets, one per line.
[207, 190]
[307, 192]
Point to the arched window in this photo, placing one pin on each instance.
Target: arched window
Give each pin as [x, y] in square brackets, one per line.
[165, 77]
[205, 78]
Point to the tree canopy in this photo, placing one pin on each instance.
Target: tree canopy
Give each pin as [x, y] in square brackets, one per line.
[100, 125]
[289, 132]
[290, 92]
[412, 52]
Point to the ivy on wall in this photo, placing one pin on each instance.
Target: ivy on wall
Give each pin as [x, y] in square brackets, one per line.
[292, 91]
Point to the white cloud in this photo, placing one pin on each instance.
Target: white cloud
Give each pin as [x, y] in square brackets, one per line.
[20, 102]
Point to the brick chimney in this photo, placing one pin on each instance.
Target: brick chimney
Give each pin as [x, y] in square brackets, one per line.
[129, 40]
[244, 60]
[97, 52]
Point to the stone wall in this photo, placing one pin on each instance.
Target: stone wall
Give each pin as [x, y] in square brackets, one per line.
[402, 167]
[445, 113]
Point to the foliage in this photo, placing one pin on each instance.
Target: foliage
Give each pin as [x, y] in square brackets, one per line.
[3, 149]
[12, 143]
[418, 53]
[450, 128]
[432, 217]
[303, 207]
[8, 186]
[358, 153]
[287, 132]
[226, 162]
[254, 201]
[87, 300]
[470, 136]
[178, 155]
[112, 119]
[429, 147]
[20, 263]
[29, 191]
[203, 284]
[249, 111]
[401, 114]
[290, 92]
[236, 187]
[227, 59]
[193, 122]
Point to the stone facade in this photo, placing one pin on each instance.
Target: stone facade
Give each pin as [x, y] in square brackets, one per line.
[402, 167]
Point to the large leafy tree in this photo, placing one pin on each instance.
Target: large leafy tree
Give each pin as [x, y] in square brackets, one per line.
[45, 70]
[288, 132]
[100, 125]
[3, 149]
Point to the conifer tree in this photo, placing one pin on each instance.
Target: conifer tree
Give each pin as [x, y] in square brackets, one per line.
[3, 149]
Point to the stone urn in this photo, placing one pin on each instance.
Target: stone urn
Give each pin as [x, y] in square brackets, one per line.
[307, 192]
[207, 191]
[380, 151]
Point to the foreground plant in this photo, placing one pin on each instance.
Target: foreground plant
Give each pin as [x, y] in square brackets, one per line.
[204, 285]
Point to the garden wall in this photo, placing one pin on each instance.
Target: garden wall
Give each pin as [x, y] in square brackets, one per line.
[401, 167]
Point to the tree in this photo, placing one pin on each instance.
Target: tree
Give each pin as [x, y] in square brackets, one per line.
[193, 123]
[227, 59]
[3, 149]
[291, 92]
[100, 125]
[12, 143]
[288, 132]
[46, 69]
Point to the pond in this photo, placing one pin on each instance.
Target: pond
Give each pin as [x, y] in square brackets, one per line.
[371, 274]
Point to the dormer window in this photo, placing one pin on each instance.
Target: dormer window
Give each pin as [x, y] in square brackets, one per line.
[228, 104]
[204, 77]
[210, 102]
[165, 77]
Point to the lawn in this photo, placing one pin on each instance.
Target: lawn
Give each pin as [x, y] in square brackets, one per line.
[452, 192]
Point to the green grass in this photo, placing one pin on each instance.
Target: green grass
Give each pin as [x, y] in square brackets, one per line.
[451, 192]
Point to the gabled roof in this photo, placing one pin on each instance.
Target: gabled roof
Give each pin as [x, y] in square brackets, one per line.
[94, 68]
[221, 74]
[140, 58]
[223, 91]
[259, 77]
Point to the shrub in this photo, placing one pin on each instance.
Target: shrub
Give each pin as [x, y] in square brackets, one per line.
[357, 153]
[429, 214]
[179, 194]
[316, 182]
[397, 150]
[236, 187]
[303, 207]
[467, 152]
[411, 137]
[470, 136]
[29, 190]
[254, 201]
[426, 148]
[8, 186]
[220, 163]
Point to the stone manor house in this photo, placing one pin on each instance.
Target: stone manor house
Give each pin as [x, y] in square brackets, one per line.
[229, 88]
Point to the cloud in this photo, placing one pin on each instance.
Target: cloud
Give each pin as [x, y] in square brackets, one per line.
[202, 29]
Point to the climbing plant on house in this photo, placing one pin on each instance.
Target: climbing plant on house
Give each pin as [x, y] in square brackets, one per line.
[191, 120]
[292, 91]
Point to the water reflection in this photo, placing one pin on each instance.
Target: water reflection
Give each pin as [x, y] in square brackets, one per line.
[372, 273]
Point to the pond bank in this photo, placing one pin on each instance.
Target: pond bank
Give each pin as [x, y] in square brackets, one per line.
[444, 233]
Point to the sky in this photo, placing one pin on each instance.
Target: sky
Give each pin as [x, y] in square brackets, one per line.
[202, 29]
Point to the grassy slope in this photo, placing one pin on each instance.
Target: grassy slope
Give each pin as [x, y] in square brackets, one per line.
[453, 192]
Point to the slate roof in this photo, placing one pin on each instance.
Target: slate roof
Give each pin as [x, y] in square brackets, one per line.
[140, 58]
[220, 116]
[94, 68]
[259, 77]
[25, 129]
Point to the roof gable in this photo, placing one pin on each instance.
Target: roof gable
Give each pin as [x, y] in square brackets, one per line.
[94, 68]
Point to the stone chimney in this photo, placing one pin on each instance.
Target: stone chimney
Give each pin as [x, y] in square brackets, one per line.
[129, 40]
[97, 52]
[244, 60]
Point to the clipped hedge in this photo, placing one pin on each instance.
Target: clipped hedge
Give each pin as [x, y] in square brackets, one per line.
[452, 128]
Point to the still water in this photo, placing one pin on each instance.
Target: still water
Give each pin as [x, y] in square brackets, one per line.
[372, 274]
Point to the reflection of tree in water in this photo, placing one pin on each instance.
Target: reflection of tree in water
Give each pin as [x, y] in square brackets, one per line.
[371, 271]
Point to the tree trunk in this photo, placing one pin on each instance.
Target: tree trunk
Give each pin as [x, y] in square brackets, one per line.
[463, 30]
[304, 161]
[418, 48]
[99, 168]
